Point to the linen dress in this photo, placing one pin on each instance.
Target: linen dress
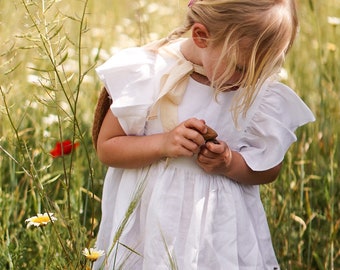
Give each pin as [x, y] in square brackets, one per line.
[188, 219]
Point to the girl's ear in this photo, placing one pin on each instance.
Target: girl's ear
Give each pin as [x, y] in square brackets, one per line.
[200, 35]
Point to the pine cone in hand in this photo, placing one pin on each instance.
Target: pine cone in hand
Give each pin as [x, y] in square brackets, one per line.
[211, 135]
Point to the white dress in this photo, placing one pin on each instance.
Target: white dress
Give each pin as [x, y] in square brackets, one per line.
[187, 219]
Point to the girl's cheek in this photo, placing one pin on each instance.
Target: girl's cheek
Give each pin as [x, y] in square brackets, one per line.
[235, 78]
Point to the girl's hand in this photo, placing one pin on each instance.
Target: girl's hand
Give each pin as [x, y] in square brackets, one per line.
[215, 157]
[184, 140]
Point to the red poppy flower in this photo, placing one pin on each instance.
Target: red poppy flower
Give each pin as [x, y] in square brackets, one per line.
[63, 148]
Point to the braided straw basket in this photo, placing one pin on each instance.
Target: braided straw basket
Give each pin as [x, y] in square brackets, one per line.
[103, 105]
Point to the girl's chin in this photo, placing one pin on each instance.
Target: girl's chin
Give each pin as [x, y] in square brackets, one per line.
[228, 88]
[234, 88]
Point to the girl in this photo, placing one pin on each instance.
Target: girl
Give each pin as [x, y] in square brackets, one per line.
[199, 205]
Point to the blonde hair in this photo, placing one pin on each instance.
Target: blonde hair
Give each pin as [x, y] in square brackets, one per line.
[263, 29]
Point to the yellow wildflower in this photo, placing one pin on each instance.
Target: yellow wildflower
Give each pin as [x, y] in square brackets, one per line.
[40, 220]
[92, 254]
[331, 47]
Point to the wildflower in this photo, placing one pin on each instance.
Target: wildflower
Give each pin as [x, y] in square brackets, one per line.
[63, 148]
[93, 254]
[40, 220]
[50, 119]
[333, 21]
[331, 47]
[283, 74]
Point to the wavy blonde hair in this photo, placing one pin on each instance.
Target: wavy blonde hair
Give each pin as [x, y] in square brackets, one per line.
[267, 27]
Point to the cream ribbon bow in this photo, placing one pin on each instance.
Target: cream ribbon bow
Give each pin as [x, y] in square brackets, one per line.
[172, 88]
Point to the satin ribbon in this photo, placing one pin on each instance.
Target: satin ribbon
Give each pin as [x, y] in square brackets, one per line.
[172, 88]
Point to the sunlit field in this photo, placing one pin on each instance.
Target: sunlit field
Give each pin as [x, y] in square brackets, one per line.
[49, 89]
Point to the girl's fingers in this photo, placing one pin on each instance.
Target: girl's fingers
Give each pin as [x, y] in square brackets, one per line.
[186, 139]
[214, 148]
[196, 124]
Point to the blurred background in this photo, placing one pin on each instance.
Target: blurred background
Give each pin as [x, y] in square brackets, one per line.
[48, 52]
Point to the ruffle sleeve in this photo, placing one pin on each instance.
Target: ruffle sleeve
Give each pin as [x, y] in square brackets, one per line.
[277, 113]
[128, 79]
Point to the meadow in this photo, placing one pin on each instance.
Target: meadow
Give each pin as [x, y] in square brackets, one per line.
[49, 89]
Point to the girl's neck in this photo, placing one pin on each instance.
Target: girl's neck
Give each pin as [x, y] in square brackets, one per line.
[190, 53]
[200, 78]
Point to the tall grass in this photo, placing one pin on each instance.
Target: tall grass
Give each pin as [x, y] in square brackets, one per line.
[303, 209]
[49, 49]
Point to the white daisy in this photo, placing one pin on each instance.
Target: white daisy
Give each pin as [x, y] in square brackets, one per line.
[333, 20]
[40, 220]
[92, 254]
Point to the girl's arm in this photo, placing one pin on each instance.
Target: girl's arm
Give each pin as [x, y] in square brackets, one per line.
[116, 149]
[218, 159]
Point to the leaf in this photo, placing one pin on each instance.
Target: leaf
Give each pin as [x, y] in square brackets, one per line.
[133, 251]
[63, 59]
[12, 69]
[318, 261]
[57, 31]
[48, 179]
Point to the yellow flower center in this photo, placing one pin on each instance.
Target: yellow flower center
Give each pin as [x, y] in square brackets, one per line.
[93, 256]
[41, 219]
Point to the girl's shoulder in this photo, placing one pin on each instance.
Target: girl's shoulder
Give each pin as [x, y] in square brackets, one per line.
[279, 102]
[138, 62]
[129, 57]
[269, 127]
[131, 67]
[282, 102]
